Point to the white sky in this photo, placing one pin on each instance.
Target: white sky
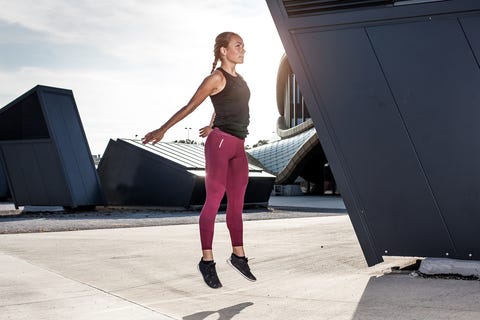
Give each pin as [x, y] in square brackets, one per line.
[133, 63]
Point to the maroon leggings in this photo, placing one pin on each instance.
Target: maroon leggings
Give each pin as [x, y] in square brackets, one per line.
[226, 171]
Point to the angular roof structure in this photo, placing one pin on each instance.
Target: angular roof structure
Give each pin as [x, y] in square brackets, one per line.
[45, 153]
[165, 174]
[282, 157]
[190, 156]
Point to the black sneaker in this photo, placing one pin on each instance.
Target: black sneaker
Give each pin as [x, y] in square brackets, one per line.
[241, 265]
[209, 274]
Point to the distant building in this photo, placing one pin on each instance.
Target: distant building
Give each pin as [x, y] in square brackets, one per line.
[96, 159]
[297, 159]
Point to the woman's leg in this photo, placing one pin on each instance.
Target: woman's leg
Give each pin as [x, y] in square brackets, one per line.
[236, 185]
[216, 158]
[237, 180]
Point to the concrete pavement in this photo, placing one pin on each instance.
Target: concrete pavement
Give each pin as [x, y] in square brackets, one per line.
[307, 268]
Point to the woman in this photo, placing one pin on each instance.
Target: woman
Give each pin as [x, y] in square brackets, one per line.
[226, 161]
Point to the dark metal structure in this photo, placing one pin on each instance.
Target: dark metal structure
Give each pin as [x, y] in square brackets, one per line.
[165, 174]
[393, 90]
[4, 192]
[45, 153]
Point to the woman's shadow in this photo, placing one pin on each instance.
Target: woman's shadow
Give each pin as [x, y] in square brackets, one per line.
[224, 314]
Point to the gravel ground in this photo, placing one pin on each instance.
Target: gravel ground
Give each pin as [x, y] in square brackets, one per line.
[51, 219]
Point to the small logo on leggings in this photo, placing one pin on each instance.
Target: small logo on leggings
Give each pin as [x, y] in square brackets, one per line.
[220, 145]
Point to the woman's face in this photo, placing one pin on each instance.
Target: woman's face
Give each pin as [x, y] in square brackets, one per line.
[235, 50]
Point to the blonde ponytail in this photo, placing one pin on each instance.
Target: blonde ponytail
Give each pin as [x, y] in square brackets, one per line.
[214, 64]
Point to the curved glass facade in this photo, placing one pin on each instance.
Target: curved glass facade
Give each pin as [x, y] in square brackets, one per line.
[295, 109]
[297, 158]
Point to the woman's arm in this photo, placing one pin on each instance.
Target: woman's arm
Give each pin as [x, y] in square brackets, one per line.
[210, 85]
[205, 131]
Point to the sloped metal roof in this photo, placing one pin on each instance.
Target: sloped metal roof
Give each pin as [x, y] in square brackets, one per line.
[190, 156]
[281, 157]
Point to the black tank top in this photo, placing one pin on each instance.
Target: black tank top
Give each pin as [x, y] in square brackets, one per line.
[231, 106]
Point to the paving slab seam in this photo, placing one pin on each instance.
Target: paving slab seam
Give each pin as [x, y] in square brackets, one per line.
[88, 285]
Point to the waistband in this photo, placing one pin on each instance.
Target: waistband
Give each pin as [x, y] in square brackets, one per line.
[223, 133]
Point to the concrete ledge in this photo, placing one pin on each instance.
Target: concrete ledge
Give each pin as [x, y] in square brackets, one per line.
[437, 266]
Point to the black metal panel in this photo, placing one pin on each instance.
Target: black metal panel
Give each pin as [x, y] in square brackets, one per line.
[67, 132]
[33, 174]
[45, 152]
[471, 27]
[439, 103]
[259, 188]
[392, 92]
[25, 121]
[258, 192]
[4, 191]
[371, 134]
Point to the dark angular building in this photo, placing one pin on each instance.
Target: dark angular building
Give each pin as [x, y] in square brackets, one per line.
[44, 151]
[4, 192]
[393, 90]
[166, 174]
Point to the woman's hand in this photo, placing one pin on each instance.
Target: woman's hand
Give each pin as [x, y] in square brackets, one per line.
[154, 136]
[205, 131]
